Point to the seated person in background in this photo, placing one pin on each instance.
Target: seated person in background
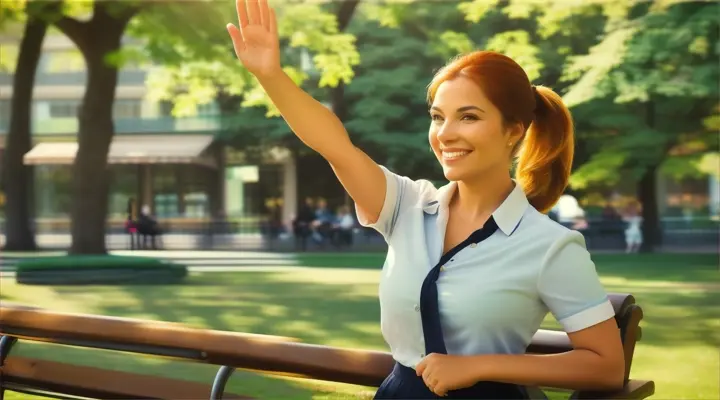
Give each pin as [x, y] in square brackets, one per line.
[147, 225]
[343, 227]
[302, 223]
[322, 225]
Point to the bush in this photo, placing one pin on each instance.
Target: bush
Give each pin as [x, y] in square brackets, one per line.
[98, 270]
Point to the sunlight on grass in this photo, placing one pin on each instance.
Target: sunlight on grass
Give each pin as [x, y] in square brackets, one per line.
[339, 307]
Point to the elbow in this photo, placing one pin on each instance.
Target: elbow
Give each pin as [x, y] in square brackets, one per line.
[612, 376]
[614, 380]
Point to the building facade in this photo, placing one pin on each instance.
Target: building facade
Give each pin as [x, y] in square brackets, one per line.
[174, 165]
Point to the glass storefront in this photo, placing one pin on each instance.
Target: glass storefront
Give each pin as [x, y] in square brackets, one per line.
[178, 190]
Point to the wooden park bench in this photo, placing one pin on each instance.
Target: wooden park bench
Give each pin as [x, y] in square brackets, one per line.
[228, 350]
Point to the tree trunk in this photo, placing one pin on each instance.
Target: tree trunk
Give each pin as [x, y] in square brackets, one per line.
[647, 194]
[18, 178]
[91, 178]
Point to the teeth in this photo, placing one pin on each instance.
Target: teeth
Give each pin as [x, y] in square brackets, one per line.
[454, 154]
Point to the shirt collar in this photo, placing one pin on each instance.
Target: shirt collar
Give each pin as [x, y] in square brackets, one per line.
[507, 216]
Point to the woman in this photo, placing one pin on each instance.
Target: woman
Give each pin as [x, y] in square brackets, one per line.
[474, 266]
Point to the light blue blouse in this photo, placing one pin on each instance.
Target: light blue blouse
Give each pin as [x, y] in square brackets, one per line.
[492, 295]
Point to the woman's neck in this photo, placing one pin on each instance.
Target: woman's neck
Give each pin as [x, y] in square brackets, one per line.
[478, 199]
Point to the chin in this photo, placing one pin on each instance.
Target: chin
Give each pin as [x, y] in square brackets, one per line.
[453, 174]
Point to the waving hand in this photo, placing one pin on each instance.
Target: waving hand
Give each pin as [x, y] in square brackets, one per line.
[256, 39]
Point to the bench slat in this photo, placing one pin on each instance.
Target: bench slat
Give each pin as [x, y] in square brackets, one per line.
[98, 383]
[634, 389]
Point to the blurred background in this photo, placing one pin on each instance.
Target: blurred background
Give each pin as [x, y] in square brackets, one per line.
[190, 135]
[128, 128]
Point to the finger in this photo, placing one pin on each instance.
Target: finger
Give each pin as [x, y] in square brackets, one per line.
[264, 14]
[272, 26]
[420, 368]
[242, 13]
[440, 390]
[238, 42]
[253, 10]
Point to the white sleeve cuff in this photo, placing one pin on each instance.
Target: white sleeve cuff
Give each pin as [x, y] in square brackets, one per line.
[588, 317]
[383, 223]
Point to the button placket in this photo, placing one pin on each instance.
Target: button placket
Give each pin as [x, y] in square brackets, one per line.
[430, 313]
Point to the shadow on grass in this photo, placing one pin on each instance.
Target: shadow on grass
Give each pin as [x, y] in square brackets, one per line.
[333, 313]
[314, 312]
[679, 317]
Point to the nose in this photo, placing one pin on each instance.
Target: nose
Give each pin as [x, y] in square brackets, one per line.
[446, 132]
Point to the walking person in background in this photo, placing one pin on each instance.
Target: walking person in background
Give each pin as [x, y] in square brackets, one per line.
[633, 232]
[473, 267]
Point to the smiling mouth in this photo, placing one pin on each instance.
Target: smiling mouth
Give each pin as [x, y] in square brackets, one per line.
[454, 155]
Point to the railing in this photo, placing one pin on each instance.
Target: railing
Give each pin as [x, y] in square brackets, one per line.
[270, 354]
[256, 233]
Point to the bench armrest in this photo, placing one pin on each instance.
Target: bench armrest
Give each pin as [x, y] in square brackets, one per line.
[634, 389]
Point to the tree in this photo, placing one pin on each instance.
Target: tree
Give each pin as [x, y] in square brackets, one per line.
[98, 39]
[194, 67]
[643, 93]
[201, 67]
[389, 111]
[18, 178]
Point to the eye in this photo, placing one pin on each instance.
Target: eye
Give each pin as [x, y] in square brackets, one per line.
[436, 117]
[470, 117]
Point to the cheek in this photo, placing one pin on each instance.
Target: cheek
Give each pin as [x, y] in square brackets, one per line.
[485, 136]
[433, 140]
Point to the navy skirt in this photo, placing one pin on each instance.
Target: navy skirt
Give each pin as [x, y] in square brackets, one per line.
[403, 383]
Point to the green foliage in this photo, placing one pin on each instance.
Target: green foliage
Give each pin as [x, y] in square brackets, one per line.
[645, 90]
[518, 46]
[213, 67]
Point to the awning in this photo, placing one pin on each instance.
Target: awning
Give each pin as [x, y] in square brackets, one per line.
[147, 149]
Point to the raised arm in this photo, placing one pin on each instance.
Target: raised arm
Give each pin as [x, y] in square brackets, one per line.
[257, 46]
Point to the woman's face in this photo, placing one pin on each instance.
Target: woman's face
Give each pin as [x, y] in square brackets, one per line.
[467, 133]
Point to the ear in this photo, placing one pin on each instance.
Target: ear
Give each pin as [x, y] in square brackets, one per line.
[515, 132]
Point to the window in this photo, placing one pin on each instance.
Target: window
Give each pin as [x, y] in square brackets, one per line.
[127, 109]
[207, 109]
[203, 110]
[166, 108]
[63, 61]
[4, 111]
[64, 109]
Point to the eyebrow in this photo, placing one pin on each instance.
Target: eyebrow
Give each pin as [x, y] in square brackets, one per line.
[461, 109]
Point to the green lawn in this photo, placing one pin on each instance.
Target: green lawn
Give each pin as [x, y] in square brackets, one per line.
[339, 307]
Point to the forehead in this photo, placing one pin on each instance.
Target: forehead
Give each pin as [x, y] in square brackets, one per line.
[459, 91]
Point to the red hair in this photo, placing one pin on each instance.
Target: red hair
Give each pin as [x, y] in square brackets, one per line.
[545, 153]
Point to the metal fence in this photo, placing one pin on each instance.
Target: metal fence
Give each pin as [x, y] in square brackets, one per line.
[257, 233]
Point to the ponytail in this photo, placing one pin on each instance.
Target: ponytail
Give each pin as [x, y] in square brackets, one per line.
[545, 157]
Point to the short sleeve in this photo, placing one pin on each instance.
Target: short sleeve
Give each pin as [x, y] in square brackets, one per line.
[400, 192]
[570, 287]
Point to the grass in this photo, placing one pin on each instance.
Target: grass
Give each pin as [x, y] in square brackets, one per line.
[339, 307]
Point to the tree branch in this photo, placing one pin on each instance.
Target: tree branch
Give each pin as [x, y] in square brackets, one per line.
[345, 13]
[73, 29]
